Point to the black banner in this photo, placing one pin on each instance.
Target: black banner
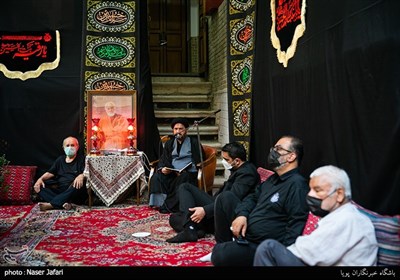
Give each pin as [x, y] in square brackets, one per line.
[33, 52]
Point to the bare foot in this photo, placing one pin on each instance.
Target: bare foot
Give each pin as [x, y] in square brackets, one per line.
[67, 206]
[44, 206]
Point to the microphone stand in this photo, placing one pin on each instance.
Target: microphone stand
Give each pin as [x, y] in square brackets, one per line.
[196, 124]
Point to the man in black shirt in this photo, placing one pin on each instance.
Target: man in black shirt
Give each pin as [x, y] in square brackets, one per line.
[64, 181]
[277, 209]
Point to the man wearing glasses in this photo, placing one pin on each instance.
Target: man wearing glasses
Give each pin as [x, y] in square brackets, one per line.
[277, 209]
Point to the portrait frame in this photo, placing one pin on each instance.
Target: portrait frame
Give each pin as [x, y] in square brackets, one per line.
[125, 105]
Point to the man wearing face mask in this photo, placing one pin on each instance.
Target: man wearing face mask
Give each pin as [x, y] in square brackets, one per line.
[64, 181]
[277, 209]
[344, 236]
[178, 152]
[196, 216]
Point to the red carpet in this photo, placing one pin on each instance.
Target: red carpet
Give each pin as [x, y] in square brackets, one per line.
[100, 236]
[11, 215]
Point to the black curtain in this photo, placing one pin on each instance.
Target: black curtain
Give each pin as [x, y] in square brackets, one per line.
[149, 135]
[340, 94]
[37, 114]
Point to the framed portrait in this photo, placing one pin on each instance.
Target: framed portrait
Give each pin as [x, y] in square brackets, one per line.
[111, 120]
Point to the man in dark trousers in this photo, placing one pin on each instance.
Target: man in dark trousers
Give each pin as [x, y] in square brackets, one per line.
[196, 216]
[344, 236]
[64, 181]
[277, 209]
[178, 152]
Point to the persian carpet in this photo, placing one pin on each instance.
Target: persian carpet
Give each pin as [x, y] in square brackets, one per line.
[100, 236]
[11, 215]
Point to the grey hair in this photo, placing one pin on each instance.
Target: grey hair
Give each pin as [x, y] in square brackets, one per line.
[109, 104]
[335, 176]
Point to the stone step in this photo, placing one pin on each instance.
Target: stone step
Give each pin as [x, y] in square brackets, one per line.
[192, 79]
[203, 130]
[174, 98]
[189, 114]
[181, 88]
[218, 182]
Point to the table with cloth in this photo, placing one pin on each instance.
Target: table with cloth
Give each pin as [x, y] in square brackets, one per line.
[110, 176]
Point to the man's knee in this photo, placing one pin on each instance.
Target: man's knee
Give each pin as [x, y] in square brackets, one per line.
[227, 195]
[264, 253]
[266, 245]
[217, 255]
[185, 186]
[225, 200]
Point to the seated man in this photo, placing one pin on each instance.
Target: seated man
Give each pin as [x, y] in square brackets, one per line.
[197, 207]
[344, 236]
[64, 181]
[277, 209]
[113, 133]
[177, 153]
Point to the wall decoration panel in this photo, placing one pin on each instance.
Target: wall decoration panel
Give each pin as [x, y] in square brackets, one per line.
[241, 21]
[109, 49]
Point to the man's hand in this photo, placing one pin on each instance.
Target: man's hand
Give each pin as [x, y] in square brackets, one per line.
[239, 226]
[165, 171]
[198, 214]
[38, 185]
[78, 182]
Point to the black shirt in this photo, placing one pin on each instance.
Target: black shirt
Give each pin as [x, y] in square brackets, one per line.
[65, 173]
[277, 209]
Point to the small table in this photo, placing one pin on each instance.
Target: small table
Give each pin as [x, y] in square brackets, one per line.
[110, 176]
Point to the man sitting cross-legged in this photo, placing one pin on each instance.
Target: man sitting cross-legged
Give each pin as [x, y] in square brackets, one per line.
[64, 181]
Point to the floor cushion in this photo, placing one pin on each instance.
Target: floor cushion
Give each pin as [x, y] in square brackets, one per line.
[19, 180]
[264, 173]
[311, 224]
[387, 231]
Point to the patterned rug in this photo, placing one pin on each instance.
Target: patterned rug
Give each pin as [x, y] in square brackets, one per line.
[11, 215]
[101, 236]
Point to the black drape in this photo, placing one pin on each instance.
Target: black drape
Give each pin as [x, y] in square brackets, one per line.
[149, 136]
[339, 93]
[37, 114]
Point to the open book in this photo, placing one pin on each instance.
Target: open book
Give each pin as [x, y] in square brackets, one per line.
[178, 170]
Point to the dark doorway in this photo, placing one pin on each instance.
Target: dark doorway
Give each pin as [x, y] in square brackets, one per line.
[168, 36]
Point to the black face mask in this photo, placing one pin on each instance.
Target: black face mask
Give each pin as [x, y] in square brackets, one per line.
[315, 206]
[273, 159]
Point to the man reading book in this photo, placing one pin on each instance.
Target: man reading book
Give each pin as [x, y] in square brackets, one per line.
[177, 165]
[178, 170]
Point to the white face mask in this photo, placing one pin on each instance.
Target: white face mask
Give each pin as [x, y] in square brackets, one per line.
[226, 164]
[70, 151]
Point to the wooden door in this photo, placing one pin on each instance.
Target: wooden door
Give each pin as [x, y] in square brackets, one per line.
[167, 36]
[203, 38]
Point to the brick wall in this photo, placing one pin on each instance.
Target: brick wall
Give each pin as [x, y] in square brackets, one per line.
[217, 25]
